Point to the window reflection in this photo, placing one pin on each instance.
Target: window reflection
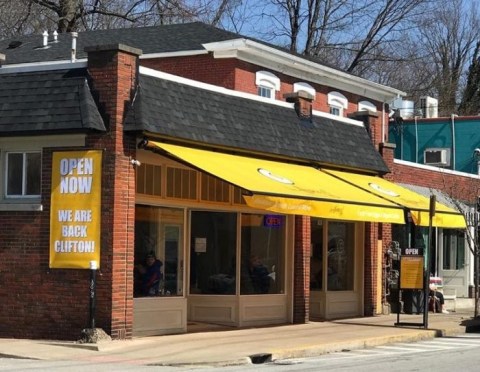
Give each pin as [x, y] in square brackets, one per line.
[340, 260]
[212, 252]
[158, 251]
[262, 252]
[453, 249]
[316, 259]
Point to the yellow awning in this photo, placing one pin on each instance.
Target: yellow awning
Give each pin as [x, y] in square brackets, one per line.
[418, 205]
[289, 188]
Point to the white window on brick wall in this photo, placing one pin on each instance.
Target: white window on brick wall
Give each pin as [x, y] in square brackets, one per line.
[23, 174]
[366, 106]
[267, 84]
[304, 87]
[21, 168]
[337, 103]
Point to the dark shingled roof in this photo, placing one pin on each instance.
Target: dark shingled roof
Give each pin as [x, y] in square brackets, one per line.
[172, 109]
[47, 101]
[155, 39]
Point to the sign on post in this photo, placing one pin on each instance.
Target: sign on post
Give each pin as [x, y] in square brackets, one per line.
[75, 209]
[411, 268]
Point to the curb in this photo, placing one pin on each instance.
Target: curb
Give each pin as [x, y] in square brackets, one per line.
[317, 350]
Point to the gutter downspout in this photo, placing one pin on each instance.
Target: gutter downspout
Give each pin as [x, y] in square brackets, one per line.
[383, 122]
[416, 140]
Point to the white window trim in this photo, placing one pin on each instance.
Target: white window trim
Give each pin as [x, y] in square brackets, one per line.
[30, 144]
[23, 196]
[305, 87]
[337, 99]
[339, 108]
[267, 80]
[366, 106]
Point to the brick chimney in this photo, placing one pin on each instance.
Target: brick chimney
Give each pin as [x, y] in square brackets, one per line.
[302, 103]
[114, 71]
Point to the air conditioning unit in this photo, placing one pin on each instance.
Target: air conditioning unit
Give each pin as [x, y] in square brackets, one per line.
[437, 156]
[429, 107]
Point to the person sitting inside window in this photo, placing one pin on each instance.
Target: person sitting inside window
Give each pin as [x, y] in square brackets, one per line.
[151, 275]
[259, 275]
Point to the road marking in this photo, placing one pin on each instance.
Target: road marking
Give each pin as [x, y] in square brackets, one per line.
[438, 344]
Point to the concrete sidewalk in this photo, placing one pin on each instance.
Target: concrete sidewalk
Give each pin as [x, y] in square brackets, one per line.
[241, 346]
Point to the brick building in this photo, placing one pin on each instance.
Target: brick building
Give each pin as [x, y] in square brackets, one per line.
[250, 174]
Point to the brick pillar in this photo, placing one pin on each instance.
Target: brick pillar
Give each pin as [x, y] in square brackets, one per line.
[387, 152]
[301, 270]
[114, 69]
[370, 268]
[302, 103]
[373, 124]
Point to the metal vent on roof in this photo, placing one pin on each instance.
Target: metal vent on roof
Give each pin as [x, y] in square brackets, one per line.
[14, 44]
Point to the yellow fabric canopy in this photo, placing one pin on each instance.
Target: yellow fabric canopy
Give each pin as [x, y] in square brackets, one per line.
[289, 188]
[418, 205]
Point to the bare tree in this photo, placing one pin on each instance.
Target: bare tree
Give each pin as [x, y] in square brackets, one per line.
[470, 103]
[448, 37]
[25, 16]
[348, 33]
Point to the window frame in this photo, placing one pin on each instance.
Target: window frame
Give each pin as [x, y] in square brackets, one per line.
[337, 101]
[30, 144]
[25, 178]
[267, 81]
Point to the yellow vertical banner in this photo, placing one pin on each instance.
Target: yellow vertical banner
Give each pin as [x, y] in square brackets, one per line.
[75, 209]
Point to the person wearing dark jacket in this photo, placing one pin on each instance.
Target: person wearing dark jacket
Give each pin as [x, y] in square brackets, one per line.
[151, 275]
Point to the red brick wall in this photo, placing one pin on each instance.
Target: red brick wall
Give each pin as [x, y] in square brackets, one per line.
[455, 185]
[301, 270]
[370, 268]
[37, 302]
[234, 74]
[203, 68]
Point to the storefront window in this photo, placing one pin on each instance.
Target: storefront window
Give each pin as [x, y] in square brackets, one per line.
[453, 249]
[212, 252]
[158, 251]
[316, 259]
[341, 256]
[262, 252]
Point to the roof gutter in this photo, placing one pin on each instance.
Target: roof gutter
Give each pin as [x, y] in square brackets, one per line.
[42, 66]
[182, 53]
[251, 51]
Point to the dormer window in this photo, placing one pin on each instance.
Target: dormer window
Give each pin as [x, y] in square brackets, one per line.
[366, 106]
[267, 83]
[337, 103]
[304, 87]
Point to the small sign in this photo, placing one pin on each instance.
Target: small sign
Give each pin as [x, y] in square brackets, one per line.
[200, 245]
[412, 252]
[272, 220]
[411, 268]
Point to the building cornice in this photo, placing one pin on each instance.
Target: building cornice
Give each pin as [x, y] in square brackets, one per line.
[277, 60]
